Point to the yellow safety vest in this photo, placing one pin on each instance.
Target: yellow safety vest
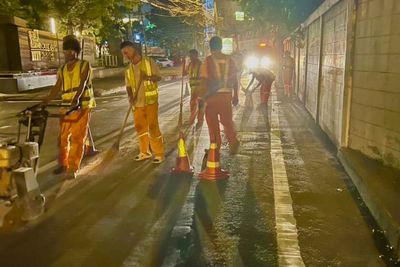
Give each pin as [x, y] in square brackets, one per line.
[71, 81]
[150, 87]
[194, 77]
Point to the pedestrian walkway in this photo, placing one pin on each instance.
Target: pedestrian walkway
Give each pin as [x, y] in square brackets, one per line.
[379, 186]
[332, 230]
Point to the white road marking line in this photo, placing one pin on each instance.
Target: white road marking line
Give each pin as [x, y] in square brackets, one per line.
[286, 229]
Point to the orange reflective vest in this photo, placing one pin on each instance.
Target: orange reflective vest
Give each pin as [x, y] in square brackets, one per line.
[194, 75]
[70, 84]
[150, 87]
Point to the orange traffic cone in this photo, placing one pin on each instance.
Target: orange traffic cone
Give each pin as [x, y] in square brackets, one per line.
[182, 160]
[213, 170]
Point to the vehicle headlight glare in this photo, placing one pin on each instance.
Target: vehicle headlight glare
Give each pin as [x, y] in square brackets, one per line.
[265, 62]
[252, 62]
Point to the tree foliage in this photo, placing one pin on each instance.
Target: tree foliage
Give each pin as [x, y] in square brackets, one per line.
[34, 11]
[284, 13]
[192, 12]
[79, 15]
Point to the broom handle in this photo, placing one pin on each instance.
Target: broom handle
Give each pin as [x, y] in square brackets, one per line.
[128, 112]
[181, 100]
[124, 124]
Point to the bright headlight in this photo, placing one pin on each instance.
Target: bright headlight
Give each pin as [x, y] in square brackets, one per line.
[265, 62]
[252, 62]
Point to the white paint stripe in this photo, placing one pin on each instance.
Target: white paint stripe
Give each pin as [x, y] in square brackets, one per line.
[286, 229]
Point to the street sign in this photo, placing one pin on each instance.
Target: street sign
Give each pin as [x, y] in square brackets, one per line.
[227, 45]
[239, 15]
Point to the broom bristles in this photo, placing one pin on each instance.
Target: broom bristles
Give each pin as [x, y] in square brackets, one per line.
[108, 157]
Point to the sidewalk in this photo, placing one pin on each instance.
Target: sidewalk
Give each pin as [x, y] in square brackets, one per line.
[379, 186]
[102, 86]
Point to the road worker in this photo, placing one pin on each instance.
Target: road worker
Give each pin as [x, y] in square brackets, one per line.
[196, 88]
[74, 82]
[141, 77]
[265, 78]
[219, 74]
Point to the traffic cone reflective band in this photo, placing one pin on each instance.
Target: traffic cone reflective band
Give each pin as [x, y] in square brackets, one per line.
[213, 170]
[182, 160]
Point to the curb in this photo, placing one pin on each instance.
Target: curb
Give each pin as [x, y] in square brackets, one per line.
[390, 227]
[122, 90]
[107, 92]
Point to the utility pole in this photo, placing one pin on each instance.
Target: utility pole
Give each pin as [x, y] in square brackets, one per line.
[143, 28]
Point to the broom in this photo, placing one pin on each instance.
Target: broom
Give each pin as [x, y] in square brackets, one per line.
[114, 149]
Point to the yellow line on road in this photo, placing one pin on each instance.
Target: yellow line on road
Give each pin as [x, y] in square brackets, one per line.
[286, 229]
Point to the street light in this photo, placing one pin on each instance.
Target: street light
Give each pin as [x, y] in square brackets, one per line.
[53, 26]
[53, 30]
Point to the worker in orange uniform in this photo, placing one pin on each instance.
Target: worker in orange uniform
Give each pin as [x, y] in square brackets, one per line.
[196, 88]
[74, 82]
[219, 74]
[141, 77]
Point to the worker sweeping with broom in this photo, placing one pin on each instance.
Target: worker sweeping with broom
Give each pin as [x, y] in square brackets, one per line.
[141, 77]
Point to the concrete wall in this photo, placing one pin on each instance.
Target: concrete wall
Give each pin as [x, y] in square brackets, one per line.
[375, 111]
[313, 59]
[332, 71]
[349, 75]
[302, 73]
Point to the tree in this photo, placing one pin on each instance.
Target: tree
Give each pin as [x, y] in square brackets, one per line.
[80, 15]
[172, 33]
[34, 11]
[191, 12]
[286, 14]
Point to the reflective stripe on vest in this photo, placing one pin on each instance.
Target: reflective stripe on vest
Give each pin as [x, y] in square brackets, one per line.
[150, 88]
[194, 77]
[70, 84]
[220, 77]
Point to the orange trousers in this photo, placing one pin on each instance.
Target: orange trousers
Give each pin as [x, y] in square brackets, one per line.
[73, 131]
[195, 108]
[148, 129]
[219, 109]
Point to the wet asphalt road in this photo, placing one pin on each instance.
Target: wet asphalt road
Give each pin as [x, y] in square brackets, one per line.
[137, 214]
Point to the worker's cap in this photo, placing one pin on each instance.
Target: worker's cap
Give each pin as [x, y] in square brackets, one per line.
[71, 43]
